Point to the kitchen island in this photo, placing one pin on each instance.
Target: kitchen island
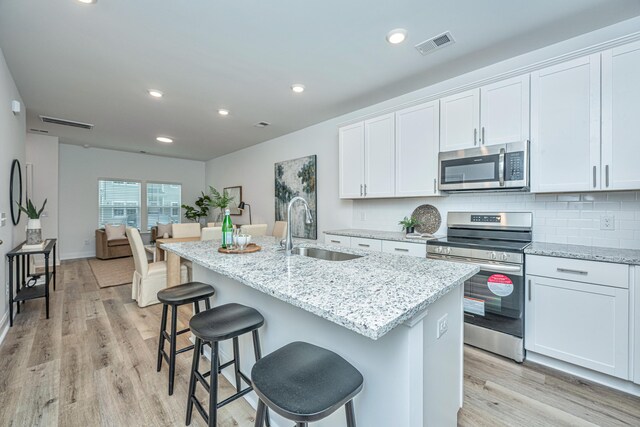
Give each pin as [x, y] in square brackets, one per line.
[380, 312]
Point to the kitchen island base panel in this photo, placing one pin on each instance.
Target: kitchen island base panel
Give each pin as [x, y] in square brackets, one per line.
[411, 378]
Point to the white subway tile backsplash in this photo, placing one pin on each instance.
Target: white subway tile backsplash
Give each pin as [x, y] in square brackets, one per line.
[568, 197]
[594, 197]
[630, 244]
[557, 239]
[612, 243]
[586, 241]
[606, 206]
[557, 222]
[620, 196]
[580, 223]
[556, 205]
[630, 206]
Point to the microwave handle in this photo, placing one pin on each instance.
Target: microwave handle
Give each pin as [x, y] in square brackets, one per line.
[501, 168]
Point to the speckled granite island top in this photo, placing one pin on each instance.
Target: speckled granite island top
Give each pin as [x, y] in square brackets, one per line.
[590, 253]
[396, 236]
[369, 295]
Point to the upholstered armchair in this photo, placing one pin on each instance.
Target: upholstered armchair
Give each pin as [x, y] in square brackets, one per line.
[148, 278]
[108, 249]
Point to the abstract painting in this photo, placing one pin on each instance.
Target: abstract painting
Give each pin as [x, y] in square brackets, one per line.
[297, 177]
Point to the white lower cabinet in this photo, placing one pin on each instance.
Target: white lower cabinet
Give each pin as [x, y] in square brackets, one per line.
[332, 239]
[404, 248]
[366, 244]
[584, 321]
[636, 328]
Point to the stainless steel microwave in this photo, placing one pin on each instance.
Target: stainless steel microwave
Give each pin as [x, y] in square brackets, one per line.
[494, 168]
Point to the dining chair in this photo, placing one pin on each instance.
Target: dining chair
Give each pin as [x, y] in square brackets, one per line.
[280, 229]
[148, 278]
[191, 229]
[254, 229]
[211, 233]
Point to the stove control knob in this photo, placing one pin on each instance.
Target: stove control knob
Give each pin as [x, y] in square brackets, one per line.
[504, 256]
[494, 255]
[438, 249]
[447, 251]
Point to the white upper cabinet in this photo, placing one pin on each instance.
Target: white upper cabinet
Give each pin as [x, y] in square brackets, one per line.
[367, 158]
[504, 111]
[351, 160]
[379, 155]
[460, 120]
[621, 118]
[493, 114]
[565, 126]
[417, 133]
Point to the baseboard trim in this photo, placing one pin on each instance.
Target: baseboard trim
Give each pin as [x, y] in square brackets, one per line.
[4, 326]
[77, 255]
[588, 374]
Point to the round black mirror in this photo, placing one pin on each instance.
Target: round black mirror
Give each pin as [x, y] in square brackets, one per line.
[15, 191]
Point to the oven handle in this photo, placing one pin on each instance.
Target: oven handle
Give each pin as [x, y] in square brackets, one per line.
[498, 268]
[501, 167]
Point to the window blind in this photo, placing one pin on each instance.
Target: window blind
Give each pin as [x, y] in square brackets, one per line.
[163, 203]
[119, 203]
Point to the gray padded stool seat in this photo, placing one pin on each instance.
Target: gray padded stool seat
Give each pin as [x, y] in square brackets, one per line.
[175, 296]
[221, 323]
[305, 383]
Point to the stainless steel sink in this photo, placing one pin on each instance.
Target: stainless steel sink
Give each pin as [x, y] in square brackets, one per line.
[324, 254]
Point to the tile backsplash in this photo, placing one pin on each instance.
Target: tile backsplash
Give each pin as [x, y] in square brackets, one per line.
[557, 218]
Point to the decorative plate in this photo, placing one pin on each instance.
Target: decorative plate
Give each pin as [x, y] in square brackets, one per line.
[429, 218]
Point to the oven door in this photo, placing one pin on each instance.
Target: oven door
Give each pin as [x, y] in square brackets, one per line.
[494, 297]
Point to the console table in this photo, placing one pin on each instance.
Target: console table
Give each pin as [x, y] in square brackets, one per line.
[19, 274]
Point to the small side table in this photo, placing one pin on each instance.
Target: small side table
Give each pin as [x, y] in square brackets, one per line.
[18, 276]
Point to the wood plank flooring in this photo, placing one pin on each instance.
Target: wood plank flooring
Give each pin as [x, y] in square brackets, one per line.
[93, 364]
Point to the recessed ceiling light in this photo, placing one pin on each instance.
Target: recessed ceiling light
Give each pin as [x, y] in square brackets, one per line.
[397, 36]
[87, 1]
[297, 88]
[223, 112]
[155, 93]
[164, 139]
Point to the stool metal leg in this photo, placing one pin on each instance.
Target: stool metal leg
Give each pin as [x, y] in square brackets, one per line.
[207, 303]
[301, 424]
[192, 379]
[213, 386]
[236, 364]
[260, 414]
[163, 326]
[258, 353]
[172, 345]
[351, 416]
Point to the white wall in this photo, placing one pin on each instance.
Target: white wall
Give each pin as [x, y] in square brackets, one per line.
[41, 179]
[253, 169]
[12, 136]
[80, 169]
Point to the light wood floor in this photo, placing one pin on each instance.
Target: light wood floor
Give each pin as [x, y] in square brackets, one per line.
[93, 363]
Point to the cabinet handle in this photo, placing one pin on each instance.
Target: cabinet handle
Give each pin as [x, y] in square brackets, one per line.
[482, 136]
[435, 185]
[363, 245]
[606, 175]
[594, 177]
[361, 189]
[335, 241]
[401, 249]
[365, 190]
[568, 270]
[529, 290]
[475, 136]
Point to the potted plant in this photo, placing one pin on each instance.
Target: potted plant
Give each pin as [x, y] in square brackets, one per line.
[34, 227]
[201, 210]
[220, 201]
[409, 224]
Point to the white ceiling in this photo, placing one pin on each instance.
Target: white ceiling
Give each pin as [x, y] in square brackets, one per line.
[94, 63]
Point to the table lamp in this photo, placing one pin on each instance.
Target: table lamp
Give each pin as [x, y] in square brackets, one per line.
[241, 206]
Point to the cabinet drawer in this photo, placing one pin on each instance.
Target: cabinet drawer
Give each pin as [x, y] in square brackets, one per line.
[403, 248]
[603, 273]
[366, 244]
[331, 239]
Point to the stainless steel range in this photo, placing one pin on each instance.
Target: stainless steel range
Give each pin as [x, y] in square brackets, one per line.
[493, 298]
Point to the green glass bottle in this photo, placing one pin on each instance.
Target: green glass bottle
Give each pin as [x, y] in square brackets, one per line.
[227, 230]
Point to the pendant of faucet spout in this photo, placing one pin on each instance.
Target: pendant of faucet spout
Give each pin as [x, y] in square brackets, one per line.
[288, 246]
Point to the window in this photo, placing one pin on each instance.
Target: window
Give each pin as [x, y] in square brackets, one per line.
[163, 203]
[119, 203]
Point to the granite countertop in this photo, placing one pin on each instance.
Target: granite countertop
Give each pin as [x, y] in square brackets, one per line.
[590, 253]
[396, 236]
[369, 295]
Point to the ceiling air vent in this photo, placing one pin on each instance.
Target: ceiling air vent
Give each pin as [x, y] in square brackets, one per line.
[437, 42]
[38, 130]
[262, 124]
[63, 122]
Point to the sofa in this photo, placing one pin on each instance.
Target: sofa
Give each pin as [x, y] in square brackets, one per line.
[108, 249]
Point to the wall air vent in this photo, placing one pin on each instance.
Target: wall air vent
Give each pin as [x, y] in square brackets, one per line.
[38, 130]
[63, 122]
[262, 124]
[434, 43]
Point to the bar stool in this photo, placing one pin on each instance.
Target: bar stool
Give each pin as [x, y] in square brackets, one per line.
[305, 383]
[221, 323]
[175, 296]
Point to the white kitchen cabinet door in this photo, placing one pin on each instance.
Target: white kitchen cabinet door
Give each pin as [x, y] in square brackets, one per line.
[460, 120]
[379, 155]
[620, 118]
[635, 324]
[417, 146]
[332, 239]
[579, 323]
[351, 161]
[366, 244]
[404, 248]
[504, 111]
[565, 126]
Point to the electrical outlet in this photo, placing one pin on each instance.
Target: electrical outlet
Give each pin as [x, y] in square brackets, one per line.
[443, 326]
[607, 222]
